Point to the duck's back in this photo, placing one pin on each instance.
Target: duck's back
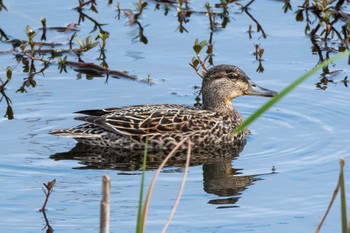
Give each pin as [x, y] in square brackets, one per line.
[163, 125]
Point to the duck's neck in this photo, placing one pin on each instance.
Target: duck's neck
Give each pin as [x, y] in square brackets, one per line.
[219, 105]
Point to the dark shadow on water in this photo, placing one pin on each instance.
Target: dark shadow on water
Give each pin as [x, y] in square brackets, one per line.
[219, 176]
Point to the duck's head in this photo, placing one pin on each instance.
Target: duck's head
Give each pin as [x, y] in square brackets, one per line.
[222, 83]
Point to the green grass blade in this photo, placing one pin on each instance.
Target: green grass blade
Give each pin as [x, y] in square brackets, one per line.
[344, 218]
[286, 90]
[140, 223]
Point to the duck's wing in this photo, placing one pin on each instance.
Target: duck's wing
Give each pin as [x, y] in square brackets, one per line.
[131, 109]
[137, 121]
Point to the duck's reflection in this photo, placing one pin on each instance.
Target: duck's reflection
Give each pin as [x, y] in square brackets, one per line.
[219, 177]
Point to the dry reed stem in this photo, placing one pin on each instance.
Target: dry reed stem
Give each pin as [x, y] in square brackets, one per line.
[150, 189]
[328, 209]
[176, 203]
[335, 192]
[105, 204]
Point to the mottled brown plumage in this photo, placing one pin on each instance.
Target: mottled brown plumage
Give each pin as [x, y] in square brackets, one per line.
[165, 125]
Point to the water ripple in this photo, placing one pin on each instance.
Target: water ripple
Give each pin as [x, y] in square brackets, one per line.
[300, 131]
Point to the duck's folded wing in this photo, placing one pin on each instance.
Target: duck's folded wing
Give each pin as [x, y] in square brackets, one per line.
[132, 109]
[154, 122]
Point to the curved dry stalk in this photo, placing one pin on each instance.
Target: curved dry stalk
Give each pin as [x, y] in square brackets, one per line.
[150, 189]
[176, 203]
[340, 185]
[335, 192]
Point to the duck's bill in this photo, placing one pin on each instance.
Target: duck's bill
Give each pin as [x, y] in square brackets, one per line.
[260, 91]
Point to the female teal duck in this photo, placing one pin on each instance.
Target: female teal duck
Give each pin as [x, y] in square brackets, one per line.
[168, 124]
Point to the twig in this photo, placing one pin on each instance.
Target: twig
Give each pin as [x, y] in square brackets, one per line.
[105, 204]
[86, 3]
[93, 66]
[258, 25]
[48, 226]
[248, 4]
[205, 68]
[176, 203]
[197, 71]
[97, 24]
[2, 33]
[150, 189]
[7, 51]
[9, 111]
[36, 58]
[48, 191]
[339, 4]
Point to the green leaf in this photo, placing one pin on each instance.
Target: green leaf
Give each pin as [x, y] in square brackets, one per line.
[144, 4]
[43, 21]
[299, 17]
[9, 72]
[195, 62]
[94, 44]
[80, 42]
[30, 33]
[103, 35]
[203, 43]
[207, 6]
[28, 29]
[88, 40]
[197, 48]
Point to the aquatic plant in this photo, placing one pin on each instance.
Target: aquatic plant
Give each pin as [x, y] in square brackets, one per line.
[197, 61]
[143, 206]
[328, 29]
[258, 56]
[47, 191]
[9, 112]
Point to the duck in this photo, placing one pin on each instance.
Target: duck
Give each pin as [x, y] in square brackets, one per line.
[163, 126]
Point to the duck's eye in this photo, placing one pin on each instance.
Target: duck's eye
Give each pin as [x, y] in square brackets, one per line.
[253, 84]
[232, 75]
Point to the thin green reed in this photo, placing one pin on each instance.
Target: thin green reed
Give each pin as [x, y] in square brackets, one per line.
[288, 89]
[344, 217]
[140, 223]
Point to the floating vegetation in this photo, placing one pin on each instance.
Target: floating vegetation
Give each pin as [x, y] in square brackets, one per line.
[328, 29]
[325, 24]
[9, 111]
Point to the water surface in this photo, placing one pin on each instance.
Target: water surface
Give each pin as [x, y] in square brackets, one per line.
[285, 174]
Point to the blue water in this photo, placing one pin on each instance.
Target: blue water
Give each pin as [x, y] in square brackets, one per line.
[302, 137]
